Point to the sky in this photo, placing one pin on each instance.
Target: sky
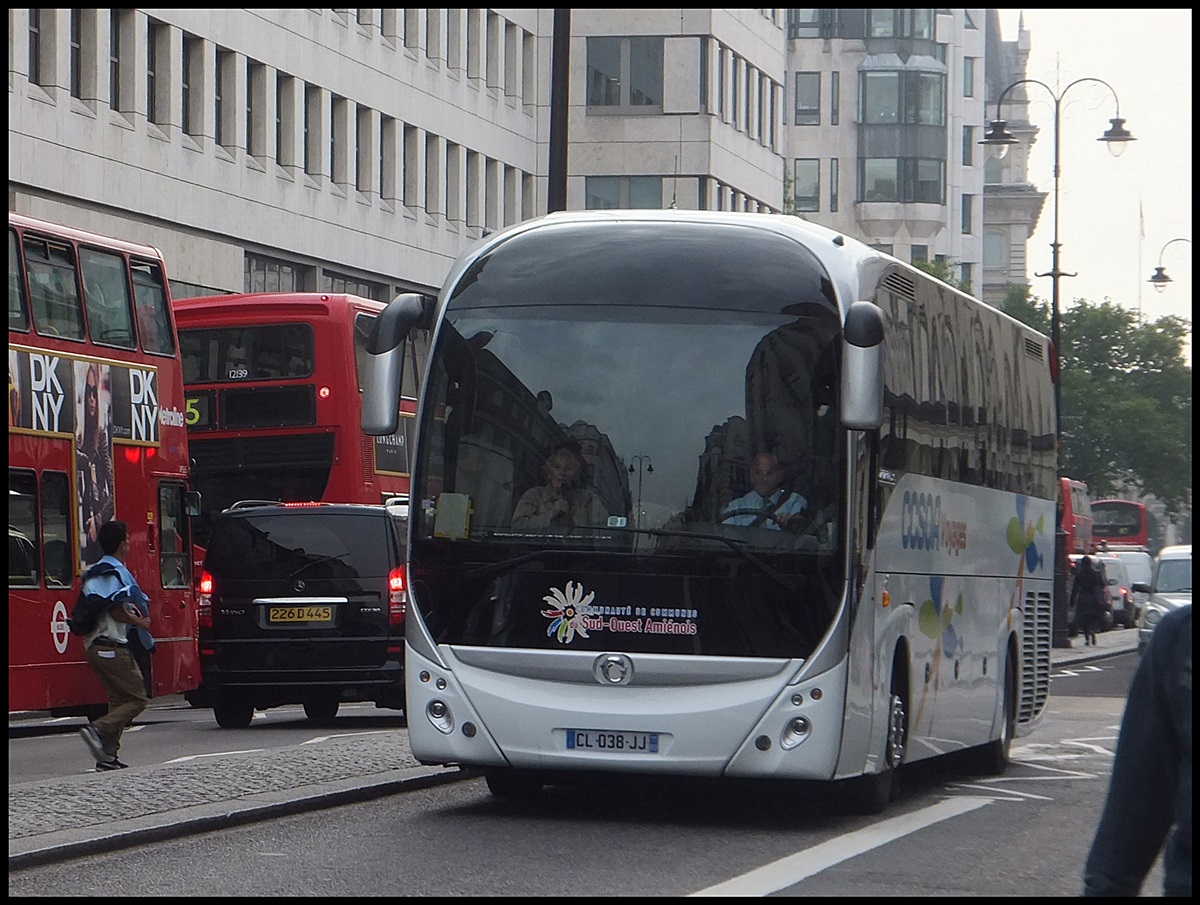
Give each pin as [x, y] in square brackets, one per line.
[1146, 56]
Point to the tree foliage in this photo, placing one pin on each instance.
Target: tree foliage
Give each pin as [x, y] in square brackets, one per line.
[1126, 398]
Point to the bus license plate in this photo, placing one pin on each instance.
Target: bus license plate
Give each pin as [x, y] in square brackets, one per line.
[603, 741]
[300, 614]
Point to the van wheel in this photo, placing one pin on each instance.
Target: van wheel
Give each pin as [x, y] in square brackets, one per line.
[233, 713]
[993, 758]
[321, 710]
[514, 785]
[872, 794]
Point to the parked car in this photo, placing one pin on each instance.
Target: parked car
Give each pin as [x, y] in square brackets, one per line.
[1170, 589]
[1140, 566]
[1107, 618]
[302, 603]
[1120, 594]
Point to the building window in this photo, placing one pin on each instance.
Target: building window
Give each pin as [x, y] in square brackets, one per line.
[806, 184]
[114, 60]
[803, 23]
[256, 98]
[263, 274]
[910, 97]
[331, 281]
[312, 134]
[968, 76]
[968, 147]
[191, 67]
[919, 253]
[967, 209]
[76, 59]
[833, 185]
[624, 192]
[282, 101]
[703, 74]
[965, 275]
[625, 72]
[35, 46]
[902, 179]
[993, 171]
[223, 94]
[156, 43]
[994, 249]
[835, 106]
[808, 99]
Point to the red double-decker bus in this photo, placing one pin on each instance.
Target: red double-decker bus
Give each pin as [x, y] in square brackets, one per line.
[95, 432]
[1120, 523]
[273, 401]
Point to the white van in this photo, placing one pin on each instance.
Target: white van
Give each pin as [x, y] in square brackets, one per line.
[1140, 566]
[1120, 592]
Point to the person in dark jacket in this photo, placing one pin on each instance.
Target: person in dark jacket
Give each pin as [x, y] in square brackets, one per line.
[1089, 593]
[1149, 799]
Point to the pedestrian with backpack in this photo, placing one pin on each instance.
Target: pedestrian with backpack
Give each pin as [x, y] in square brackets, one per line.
[107, 645]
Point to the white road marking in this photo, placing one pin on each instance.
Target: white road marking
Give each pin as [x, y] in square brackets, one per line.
[187, 757]
[791, 870]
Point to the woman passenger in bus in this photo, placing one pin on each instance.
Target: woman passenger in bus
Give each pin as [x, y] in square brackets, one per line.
[562, 502]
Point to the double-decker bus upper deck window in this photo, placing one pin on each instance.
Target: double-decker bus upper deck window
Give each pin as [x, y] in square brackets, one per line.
[54, 295]
[18, 309]
[153, 314]
[106, 291]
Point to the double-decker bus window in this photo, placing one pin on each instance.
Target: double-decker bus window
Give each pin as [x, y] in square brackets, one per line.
[23, 569]
[153, 308]
[57, 310]
[18, 310]
[106, 291]
[56, 529]
[174, 541]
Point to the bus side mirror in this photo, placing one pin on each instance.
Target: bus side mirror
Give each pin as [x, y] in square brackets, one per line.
[191, 502]
[384, 362]
[862, 367]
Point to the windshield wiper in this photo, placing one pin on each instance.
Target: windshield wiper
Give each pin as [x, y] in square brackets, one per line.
[316, 562]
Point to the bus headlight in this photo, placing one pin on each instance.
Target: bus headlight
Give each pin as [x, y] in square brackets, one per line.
[439, 715]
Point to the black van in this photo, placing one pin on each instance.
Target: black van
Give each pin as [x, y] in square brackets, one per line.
[303, 603]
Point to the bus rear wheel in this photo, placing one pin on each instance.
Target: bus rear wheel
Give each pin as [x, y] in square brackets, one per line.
[993, 758]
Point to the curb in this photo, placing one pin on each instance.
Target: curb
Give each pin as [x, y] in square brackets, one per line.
[52, 848]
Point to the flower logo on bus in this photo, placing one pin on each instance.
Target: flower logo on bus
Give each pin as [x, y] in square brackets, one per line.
[1020, 537]
[568, 611]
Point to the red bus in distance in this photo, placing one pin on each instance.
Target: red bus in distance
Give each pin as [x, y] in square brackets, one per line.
[95, 432]
[1120, 523]
[273, 401]
[1076, 515]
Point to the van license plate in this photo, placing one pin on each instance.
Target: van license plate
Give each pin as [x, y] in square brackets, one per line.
[604, 741]
[300, 614]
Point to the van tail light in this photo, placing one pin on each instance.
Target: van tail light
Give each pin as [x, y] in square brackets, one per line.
[397, 598]
[204, 604]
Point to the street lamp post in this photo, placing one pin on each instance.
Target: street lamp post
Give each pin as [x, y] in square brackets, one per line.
[998, 138]
[1160, 278]
[649, 463]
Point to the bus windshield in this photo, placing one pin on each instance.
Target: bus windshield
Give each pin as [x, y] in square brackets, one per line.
[698, 443]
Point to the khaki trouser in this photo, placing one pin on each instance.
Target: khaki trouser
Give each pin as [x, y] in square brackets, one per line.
[122, 680]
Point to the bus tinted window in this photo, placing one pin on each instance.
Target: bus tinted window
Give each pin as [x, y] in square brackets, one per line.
[106, 291]
[153, 308]
[57, 310]
[18, 310]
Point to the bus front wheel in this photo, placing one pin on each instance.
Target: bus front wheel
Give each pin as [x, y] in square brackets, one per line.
[871, 794]
[514, 785]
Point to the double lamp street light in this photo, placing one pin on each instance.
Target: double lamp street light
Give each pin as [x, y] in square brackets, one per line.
[998, 138]
[1160, 278]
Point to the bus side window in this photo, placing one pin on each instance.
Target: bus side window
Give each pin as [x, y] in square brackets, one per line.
[18, 308]
[22, 528]
[174, 545]
[56, 529]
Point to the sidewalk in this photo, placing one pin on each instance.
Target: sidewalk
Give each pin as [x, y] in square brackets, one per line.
[52, 820]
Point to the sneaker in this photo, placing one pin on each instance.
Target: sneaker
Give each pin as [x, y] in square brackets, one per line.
[114, 764]
[95, 744]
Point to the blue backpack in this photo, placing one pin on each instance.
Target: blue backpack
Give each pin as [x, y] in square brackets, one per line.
[88, 609]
